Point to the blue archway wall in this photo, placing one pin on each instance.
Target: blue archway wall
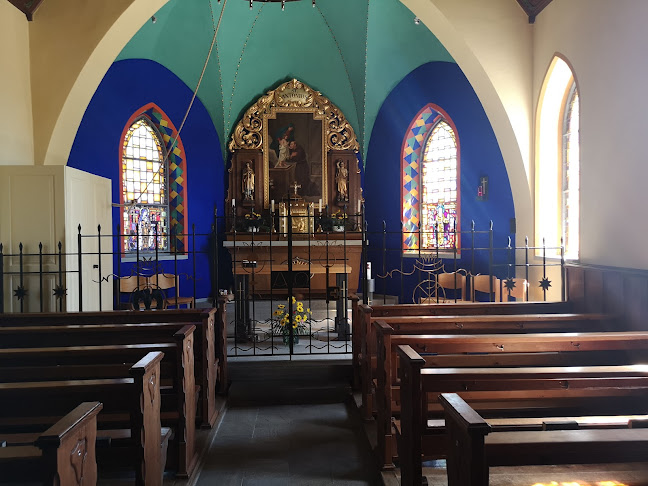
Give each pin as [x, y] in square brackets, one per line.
[445, 85]
[127, 86]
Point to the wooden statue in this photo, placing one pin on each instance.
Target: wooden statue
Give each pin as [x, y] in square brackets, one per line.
[248, 183]
[341, 181]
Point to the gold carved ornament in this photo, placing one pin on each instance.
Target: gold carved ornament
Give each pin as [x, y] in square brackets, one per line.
[294, 94]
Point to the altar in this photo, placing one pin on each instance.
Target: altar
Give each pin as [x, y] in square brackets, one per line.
[295, 201]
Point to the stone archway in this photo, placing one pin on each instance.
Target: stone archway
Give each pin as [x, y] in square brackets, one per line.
[69, 63]
[506, 97]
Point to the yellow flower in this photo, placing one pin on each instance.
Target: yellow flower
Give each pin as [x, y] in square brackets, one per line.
[294, 300]
[298, 318]
[281, 306]
[300, 307]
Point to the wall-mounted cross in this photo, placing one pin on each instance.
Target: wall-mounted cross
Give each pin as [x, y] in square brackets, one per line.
[296, 186]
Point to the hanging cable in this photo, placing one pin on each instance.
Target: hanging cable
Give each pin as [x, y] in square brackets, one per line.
[193, 98]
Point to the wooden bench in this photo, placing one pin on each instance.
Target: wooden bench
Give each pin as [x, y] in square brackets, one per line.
[61, 455]
[135, 399]
[470, 324]
[210, 343]
[361, 321]
[577, 344]
[473, 448]
[501, 392]
[107, 361]
[364, 342]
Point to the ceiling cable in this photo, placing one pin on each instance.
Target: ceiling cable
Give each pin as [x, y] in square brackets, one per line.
[184, 119]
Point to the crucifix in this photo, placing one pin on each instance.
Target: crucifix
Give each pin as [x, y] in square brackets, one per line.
[296, 186]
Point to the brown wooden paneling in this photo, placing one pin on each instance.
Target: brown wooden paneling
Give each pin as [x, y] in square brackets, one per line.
[612, 290]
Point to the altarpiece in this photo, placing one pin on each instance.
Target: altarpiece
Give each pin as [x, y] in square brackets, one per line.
[294, 163]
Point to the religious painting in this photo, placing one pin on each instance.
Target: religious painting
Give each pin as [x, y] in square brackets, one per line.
[294, 154]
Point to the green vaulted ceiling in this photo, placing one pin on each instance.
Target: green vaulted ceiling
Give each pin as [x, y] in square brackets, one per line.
[353, 51]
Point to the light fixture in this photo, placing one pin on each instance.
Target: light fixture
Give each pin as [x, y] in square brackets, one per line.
[283, 2]
[417, 20]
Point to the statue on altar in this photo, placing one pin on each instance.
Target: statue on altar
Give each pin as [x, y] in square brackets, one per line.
[248, 183]
[341, 181]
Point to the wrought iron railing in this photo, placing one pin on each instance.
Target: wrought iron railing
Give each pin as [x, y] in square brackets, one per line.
[302, 255]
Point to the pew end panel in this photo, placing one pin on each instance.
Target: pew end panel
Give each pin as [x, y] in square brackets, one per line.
[64, 453]
[386, 444]
[355, 340]
[364, 358]
[147, 426]
[412, 411]
[185, 435]
[221, 345]
[466, 463]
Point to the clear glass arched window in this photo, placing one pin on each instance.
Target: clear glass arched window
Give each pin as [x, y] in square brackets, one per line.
[144, 190]
[557, 212]
[439, 184]
[571, 174]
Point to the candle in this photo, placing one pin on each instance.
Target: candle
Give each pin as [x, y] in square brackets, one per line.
[233, 202]
[272, 206]
[359, 206]
[320, 205]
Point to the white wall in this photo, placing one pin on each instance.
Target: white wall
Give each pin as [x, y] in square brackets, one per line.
[16, 125]
[87, 203]
[45, 204]
[605, 43]
[33, 212]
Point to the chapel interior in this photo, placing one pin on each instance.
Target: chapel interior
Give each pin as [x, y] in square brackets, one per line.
[270, 192]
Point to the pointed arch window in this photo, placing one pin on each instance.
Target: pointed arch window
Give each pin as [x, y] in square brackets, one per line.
[153, 184]
[145, 189]
[431, 183]
[558, 162]
[571, 174]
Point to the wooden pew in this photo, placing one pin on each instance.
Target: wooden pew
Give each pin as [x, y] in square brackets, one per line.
[138, 397]
[73, 362]
[473, 448]
[361, 315]
[470, 324]
[578, 344]
[61, 455]
[546, 390]
[210, 344]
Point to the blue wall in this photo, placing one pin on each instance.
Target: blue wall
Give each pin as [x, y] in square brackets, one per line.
[127, 86]
[445, 85]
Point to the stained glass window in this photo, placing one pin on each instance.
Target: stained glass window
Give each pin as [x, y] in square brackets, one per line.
[144, 183]
[439, 189]
[571, 175]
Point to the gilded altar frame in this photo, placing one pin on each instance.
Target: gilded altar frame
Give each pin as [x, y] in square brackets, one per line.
[294, 96]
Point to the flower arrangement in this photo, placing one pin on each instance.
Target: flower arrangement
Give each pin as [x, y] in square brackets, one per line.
[253, 220]
[282, 321]
[338, 219]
